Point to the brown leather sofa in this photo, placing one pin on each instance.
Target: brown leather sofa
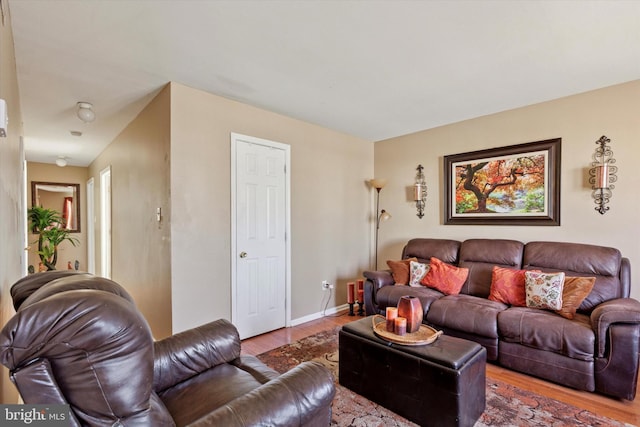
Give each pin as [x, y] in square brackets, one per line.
[78, 339]
[597, 351]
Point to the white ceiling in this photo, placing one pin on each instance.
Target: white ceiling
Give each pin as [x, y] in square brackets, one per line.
[374, 69]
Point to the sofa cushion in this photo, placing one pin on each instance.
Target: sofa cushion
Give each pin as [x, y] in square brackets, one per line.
[388, 296]
[544, 290]
[507, 286]
[575, 290]
[444, 277]
[200, 395]
[547, 331]
[400, 270]
[417, 271]
[576, 259]
[467, 313]
[424, 249]
[481, 255]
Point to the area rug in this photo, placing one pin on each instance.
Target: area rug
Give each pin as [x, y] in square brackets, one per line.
[506, 405]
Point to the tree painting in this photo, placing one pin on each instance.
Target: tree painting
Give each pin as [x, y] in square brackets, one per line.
[514, 185]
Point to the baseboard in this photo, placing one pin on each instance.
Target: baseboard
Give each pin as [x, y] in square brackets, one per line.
[315, 316]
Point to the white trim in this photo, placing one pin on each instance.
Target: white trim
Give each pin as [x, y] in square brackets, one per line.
[235, 137]
[105, 223]
[25, 237]
[319, 315]
[91, 226]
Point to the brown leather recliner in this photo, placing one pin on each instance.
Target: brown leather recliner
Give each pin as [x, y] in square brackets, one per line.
[78, 339]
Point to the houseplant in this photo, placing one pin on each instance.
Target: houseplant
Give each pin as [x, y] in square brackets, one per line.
[46, 223]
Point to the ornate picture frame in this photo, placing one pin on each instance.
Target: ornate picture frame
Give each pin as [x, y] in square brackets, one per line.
[512, 185]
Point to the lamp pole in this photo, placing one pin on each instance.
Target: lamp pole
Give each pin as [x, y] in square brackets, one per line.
[375, 267]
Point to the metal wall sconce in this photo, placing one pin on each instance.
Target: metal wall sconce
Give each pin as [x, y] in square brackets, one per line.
[602, 175]
[381, 215]
[420, 191]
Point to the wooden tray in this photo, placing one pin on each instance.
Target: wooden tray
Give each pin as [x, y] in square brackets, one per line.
[424, 335]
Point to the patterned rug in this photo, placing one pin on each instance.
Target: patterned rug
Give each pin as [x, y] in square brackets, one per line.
[506, 405]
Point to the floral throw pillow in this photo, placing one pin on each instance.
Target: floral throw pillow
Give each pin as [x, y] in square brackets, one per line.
[417, 271]
[544, 290]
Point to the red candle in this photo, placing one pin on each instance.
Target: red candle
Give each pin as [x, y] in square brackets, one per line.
[360, 284]
[392, 314]
[360, 296]
[400, 326]
[351, 293]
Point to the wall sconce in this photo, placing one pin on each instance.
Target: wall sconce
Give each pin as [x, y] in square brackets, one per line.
[602, 175]
[85, 112]
[420, 191]
[381, 215]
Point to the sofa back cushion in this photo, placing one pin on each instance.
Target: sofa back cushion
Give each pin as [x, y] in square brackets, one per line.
[575, 259]
[423, 249]
[481, 255]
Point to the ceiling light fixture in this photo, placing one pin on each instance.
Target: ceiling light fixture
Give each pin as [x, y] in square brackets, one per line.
[85, 112]
[61, 161]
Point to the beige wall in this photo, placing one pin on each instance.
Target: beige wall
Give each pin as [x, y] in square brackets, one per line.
[330, 204]
[46, 172]
[141, 246]
[579, 120]
[12, 217]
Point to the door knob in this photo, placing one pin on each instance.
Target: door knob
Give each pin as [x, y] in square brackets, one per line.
[243, 254]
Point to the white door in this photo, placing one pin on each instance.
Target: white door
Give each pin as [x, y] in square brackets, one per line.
[260, 254]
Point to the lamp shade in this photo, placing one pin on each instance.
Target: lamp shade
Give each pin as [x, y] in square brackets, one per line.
[384, 215]
[378, 183]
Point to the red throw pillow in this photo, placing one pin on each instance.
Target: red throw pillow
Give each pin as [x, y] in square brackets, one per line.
[507, 286]
[444, 277]
[400, 270]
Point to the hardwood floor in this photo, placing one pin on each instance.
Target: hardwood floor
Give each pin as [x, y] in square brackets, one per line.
[620, 410]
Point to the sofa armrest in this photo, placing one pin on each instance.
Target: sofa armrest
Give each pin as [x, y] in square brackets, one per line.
[379, 278]
[621, 310]
[186, 354]
[374, 281]
[295, 398]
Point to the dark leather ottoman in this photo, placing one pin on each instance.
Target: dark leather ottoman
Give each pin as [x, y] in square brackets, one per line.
[439, 384]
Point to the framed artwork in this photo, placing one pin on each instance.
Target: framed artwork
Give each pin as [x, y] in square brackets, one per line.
[513, 185]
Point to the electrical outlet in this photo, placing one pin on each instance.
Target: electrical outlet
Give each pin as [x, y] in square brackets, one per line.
[325, 285]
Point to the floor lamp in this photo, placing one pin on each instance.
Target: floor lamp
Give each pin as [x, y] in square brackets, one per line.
[381, 215]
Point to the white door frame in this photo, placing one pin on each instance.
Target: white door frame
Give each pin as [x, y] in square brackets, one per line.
[105, 222]
[235, 137]
[91, 227]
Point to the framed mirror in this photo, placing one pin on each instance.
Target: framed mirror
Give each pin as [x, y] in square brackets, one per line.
[63, 197]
